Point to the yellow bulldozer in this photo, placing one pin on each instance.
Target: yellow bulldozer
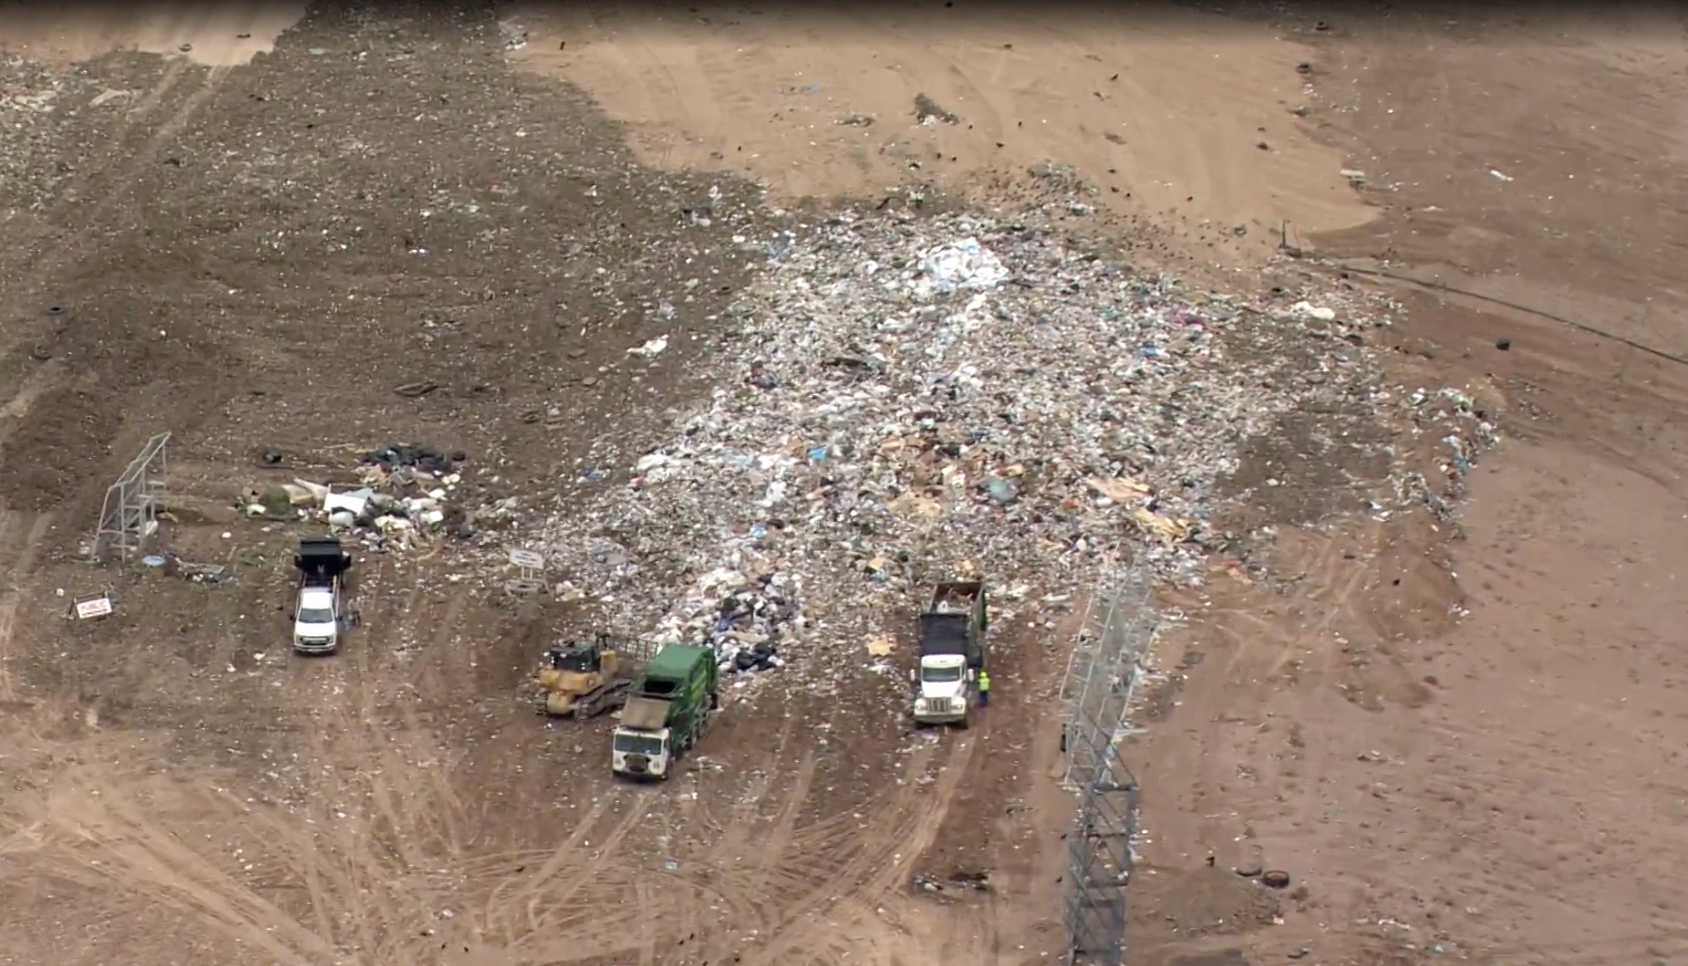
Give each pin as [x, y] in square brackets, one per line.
[582, 679]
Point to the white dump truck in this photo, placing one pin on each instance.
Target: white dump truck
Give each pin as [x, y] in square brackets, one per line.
[952, 653]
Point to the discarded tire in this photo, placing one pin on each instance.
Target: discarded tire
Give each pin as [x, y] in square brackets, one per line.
[54, 309]
[522, 587]
[1275, 879]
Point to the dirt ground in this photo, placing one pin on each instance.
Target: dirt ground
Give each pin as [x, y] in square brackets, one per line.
[1461, 738]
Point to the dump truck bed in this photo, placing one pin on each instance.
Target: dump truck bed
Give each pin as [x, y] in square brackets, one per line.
[943, 633]
[321, 558]
[645, 714]
[955, 596]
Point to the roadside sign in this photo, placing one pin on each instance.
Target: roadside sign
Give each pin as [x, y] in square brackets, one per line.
[527, 559]
[92, 606]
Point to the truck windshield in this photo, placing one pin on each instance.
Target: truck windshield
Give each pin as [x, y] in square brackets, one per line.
[940, 675]
[638, 745]
[315, 615]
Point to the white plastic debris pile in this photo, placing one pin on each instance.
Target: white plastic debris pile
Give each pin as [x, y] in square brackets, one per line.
[904, 407]
[406, 496]
[966, 265]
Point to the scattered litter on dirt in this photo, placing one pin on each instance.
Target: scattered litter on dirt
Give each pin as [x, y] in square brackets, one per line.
[1466, 428]
[35, 102]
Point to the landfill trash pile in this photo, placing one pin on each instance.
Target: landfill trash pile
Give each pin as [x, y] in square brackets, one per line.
[407, 497]
[746, 627]
[916, 399]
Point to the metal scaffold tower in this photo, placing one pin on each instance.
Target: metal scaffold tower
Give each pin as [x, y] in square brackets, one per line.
[129, 515]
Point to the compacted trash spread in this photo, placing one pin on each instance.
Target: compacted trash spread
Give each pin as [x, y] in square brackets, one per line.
[903, 406]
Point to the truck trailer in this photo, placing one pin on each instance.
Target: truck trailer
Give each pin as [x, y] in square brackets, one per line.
[666, 713]
[952, 653]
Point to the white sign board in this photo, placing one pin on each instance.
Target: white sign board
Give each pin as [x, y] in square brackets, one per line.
[88, 608]
[527, 559]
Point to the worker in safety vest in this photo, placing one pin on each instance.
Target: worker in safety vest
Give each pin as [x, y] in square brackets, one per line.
[984, 689]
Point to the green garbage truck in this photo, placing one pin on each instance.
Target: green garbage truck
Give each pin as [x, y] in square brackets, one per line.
[666, 713]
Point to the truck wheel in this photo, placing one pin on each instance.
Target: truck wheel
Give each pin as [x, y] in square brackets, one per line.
[963, 724]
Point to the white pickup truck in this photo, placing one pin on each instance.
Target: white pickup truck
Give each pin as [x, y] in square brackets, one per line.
[320, 613]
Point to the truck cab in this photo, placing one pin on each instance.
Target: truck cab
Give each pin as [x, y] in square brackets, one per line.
[317, 615]
[944, 683]
[638, 751]
[952, 652]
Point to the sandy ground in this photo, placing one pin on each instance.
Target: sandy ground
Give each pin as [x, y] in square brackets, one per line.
[1463, 740]
[1183, 116]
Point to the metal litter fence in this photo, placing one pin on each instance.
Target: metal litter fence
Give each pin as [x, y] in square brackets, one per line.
[1118, 625]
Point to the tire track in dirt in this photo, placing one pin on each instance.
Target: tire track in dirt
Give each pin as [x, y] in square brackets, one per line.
[604, 916]
[606, 851]
[389, 865]
[26, 244]
[413, 787]
[496, 918]
[20, 539]
[38, 380]
[732, 837]
[657, 80]
[353, 874]
[327, 886]
[1272, 666]
[110, 177]
[115, 168]
[406, 774]
[867, 909]
[778, 841]
[99, 828]
[877, 860]
[742, 861]
[645, 899]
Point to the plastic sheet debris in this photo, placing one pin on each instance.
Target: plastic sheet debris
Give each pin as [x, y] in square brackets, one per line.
[1310, 311]
[962, 265]
[650, 349]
